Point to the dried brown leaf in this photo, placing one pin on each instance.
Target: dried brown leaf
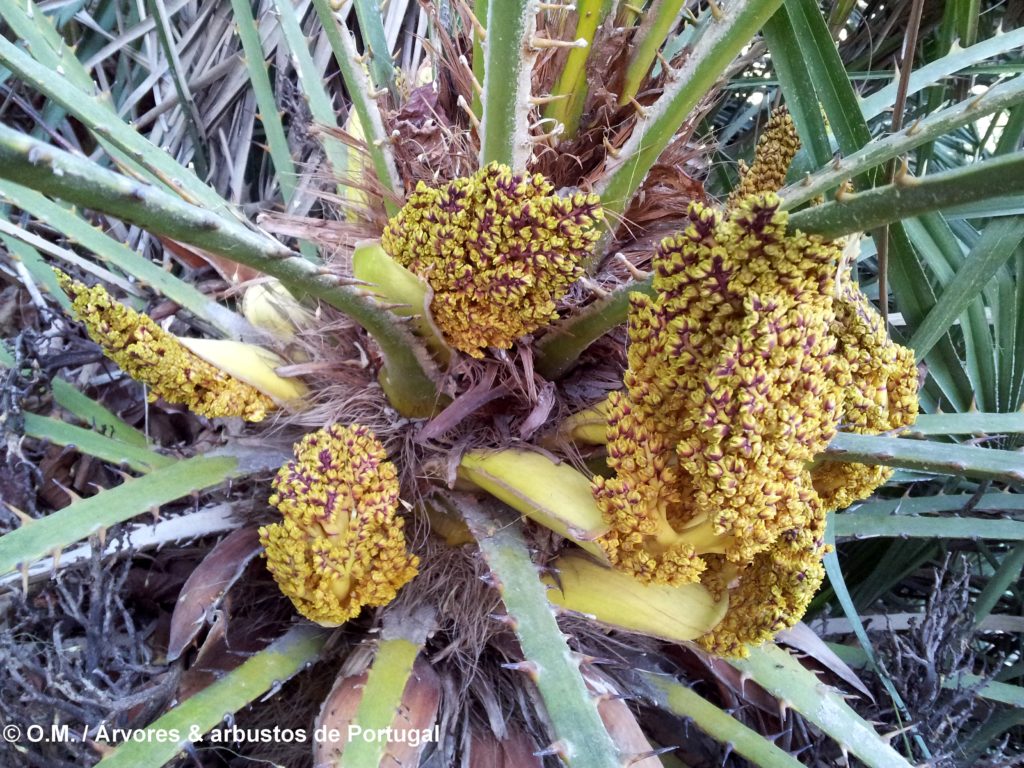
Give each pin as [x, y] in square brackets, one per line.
[220, 653]
[516, 750]
[196, 258]
[417, 711]
[620, 722]
[806, 641]
[206, 587]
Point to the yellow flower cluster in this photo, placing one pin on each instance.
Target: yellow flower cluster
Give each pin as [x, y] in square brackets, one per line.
[149, 354]
[768, 595]
[884, 398]
[741, 370]
[776, 149]
[497, 248]
[340, 546]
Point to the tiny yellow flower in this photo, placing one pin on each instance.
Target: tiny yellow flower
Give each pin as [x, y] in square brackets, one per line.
[340, 546]
[497, 248]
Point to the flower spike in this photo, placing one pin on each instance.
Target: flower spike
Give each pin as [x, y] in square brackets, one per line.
[158, 359]
[883, 396]
[498, 250]
[770, 595]
[733, 387]
[775, 151]
[340, 546]
[742, 368]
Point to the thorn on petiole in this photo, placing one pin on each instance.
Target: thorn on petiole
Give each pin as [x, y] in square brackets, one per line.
[540, 43]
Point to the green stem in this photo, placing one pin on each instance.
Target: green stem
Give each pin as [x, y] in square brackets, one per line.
[118, 254]
[570, 88]
[94, 414]
[562, 346]
[264, 671]
[722, 40]
[996, 501]
[571, 709]
[998, 98]
[270, 117]
[508, 72]
[480, 11]
[787, 680]
[970, 423]
[408, 376]
[88, 441]
[403, 637]
[371, 27]
[681, 700]
[321, 107]
[658, 20]
[957, 60]
[359, 90]
[403, 291]
[909, 197]
[84, 517]
[927, 456]
[75, 91]
[860, 526]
